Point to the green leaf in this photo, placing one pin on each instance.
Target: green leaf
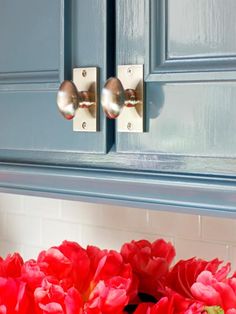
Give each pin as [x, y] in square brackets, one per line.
[214, 309]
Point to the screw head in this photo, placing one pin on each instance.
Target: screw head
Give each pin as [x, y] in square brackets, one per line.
[129, 125]
[84, 73]
[129, 71]
[84, 125]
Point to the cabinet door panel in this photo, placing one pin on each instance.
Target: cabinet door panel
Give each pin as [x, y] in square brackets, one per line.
[30, 33]
[199, 28]
[189, 54]
[41, 42]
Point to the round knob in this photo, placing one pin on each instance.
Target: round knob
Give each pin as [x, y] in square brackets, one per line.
[113, 97]
[67, 99]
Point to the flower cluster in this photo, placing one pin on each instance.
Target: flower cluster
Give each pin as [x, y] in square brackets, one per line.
[69, 279]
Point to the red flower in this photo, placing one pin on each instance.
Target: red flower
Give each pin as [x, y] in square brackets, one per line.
[13, 299]
[32, 274]
[185, 272]
[144, 308]
[51, 298]
[11, 266]
[80, 264]
[171, 304]
[216, 289]
[150, 263]
[69, 263]
[196, 308]
[108, 296]
[71, 280]
[53, 262]
[105, 264]
[102, 281]
[111, 282]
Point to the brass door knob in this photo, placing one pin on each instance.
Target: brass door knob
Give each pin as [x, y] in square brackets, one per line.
[69, 99]
[78, 99]
[115, 97]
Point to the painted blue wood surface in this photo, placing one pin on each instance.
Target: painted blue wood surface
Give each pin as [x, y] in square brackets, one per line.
[182, 193]
[190, 58]
[184, 162]
[30, 39]
[41, 41]
[200, 29]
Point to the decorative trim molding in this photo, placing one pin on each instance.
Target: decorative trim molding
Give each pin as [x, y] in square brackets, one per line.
[47, 76]
[29, 87]
[162, 68]
[216, 166]
[40, 79]
[172, 192]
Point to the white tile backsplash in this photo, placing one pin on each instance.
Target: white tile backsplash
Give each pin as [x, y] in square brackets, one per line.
[29, 251]
[84, 213]
[187, 248]
[11, 203]
[112, 238]
[41, 207]
[222, 230]
[55, 231]
[232, 257]
[125, 218]
[2, 224]
[29, 224]
[174, 224]
[7, 247]
[23, 229]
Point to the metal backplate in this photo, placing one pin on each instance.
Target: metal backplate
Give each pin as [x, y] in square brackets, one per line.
[131, 119]
[86, 119]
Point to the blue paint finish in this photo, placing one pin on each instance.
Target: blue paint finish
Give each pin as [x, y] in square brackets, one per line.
[41, 43]
[30, 33]
[183, 193]
[184, 162]
[204, 46]
[190, 91]
[200, 29]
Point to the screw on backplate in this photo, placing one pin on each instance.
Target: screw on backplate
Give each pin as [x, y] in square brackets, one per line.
[129, 70]
[129, 125]
[84, 125]
[84, 73]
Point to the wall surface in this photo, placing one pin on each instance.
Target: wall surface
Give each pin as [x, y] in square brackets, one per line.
[29, 224]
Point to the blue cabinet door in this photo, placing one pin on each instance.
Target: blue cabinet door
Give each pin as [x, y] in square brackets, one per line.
[185, 161]
[188, 49]
[40, 43]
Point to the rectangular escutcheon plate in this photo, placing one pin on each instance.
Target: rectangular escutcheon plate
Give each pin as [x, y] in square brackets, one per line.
[131, 118]
[86, 118]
